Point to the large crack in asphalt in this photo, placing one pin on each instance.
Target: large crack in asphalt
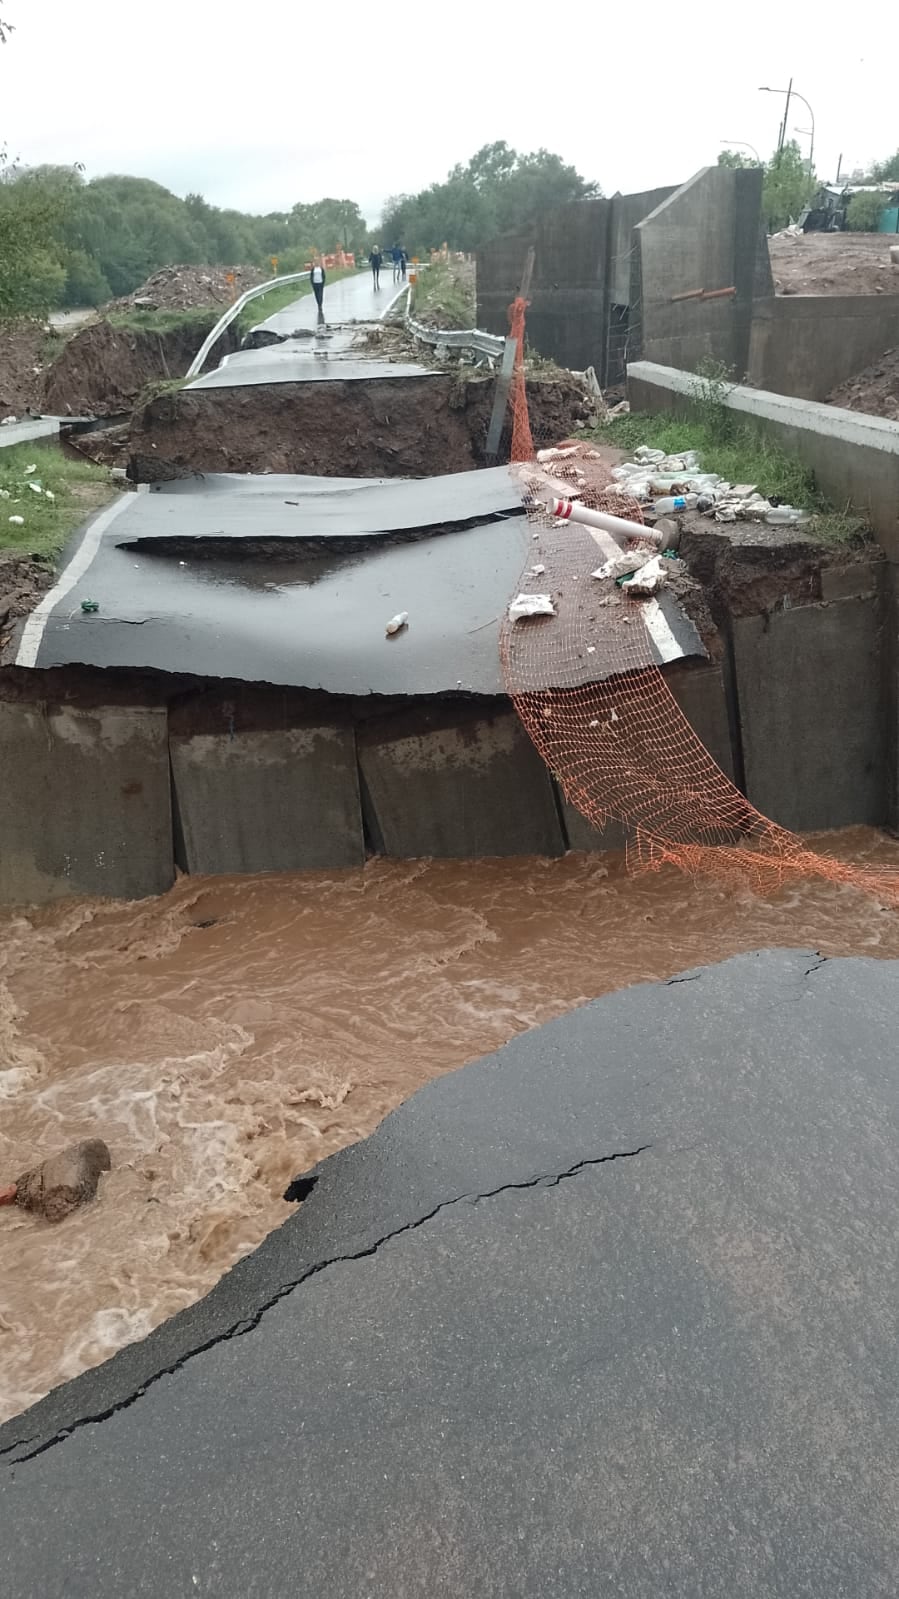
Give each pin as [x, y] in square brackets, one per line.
[300, 1189]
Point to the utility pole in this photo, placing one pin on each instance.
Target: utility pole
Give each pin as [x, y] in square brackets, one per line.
[783, 126]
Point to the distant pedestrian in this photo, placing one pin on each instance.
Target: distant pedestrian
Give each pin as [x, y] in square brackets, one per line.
[317, 278]
[397, 253]
[404, 262]
[374, 262]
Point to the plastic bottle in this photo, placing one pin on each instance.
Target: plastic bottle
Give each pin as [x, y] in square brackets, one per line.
[675, 502]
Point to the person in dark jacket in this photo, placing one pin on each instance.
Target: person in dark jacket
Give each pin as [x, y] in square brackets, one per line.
[317, 279]
[374, 262]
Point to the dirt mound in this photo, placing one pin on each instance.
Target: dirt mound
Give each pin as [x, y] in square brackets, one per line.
[875, 390]
[833, 263]
[25, 348]
[103, 368]
[379, 428]
[188, 288]
[23, 584]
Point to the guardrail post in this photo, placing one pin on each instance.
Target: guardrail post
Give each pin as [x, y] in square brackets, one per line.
[500, 401]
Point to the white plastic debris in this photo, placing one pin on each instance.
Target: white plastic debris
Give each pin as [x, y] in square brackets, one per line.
[648, 579]
[31, 468]
[7, 421]
[620, 565]
[49, 495]
[537, 571]
[17, 521]
[397, 623]
[531, 605]
[4, 494]
[35, 488]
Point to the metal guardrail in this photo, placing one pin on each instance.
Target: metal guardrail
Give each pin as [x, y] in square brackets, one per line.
[488, 346]
[196, 365]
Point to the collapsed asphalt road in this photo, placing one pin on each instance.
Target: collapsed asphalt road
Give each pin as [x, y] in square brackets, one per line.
[610, 1311]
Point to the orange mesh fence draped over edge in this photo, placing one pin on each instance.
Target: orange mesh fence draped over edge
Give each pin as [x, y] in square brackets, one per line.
[620, 748]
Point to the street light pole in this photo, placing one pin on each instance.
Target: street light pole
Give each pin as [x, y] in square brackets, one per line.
[742, 144]
[792, 93]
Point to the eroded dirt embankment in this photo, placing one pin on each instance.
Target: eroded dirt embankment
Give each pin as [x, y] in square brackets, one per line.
[103, 369]
[386, 427]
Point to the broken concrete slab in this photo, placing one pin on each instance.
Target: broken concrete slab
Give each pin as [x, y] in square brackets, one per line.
[85, 802]
[545, 1258]
[458, 781]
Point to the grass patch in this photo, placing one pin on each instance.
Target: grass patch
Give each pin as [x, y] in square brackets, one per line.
[444, 297]
[78, 487]
[740, 455]
[283, 295]
[144, 321]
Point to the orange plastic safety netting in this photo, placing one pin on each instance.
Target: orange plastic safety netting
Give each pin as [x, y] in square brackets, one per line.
[595, 703]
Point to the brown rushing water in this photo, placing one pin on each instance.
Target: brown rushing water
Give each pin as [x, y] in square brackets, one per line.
[220, 1060]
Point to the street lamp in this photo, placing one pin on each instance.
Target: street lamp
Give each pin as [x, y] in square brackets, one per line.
[741, 144]
[790, 94]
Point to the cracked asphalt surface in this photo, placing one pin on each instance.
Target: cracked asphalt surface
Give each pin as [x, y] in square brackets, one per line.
[610, 1311]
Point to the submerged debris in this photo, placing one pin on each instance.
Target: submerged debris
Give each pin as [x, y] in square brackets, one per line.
[64, 1181]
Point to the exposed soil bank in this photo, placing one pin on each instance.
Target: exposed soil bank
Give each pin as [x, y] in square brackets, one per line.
[748, 569]
[875, 389]
[383, 428]
[833, 263]
[23, 584]
[103, 368]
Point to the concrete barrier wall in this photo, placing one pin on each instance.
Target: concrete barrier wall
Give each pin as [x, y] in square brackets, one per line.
[84, 803]
[458, 781]
[260, 786]
[706, 235]
[806, 345]
[855, 458]
[582, 269]
[812, 713]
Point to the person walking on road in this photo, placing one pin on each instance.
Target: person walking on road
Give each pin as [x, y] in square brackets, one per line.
[397, 254]
[374, 262]
[317, 279]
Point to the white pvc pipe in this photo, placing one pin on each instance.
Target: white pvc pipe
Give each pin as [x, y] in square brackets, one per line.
[573, 511]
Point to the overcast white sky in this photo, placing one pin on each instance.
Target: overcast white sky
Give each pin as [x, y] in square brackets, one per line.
[258, 107]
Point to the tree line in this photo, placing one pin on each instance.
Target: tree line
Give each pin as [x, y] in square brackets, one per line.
[498, 191]
[789, 184]
[64, 241]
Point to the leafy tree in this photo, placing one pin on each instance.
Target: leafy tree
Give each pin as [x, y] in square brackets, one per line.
[498, 190]
[864, 212]
[788, 186]
[886, 171]
[737, 161]
[32, 278]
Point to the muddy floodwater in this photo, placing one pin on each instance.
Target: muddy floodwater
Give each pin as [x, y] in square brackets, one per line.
[229, 1035]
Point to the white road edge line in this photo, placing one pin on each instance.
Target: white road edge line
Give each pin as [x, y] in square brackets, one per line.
[659, 631]
[33, 631]
[391, 303]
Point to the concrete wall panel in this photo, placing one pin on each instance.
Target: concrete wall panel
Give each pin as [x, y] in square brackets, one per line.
[460, 782]
[812, 713]
[85, 803]
[806, 345]
[704, 236]
[266, 798]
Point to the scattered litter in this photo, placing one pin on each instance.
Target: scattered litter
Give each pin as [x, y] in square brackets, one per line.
[4, 494]
[591, 649]
[90, 605]
[49, 495]
[7, 421]
[668, 484]
[17, 521]
[537, 571]
[619, 565]
[531, 605]
[647, 580]
[31, 468]
[35, 488]
[397, 623]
